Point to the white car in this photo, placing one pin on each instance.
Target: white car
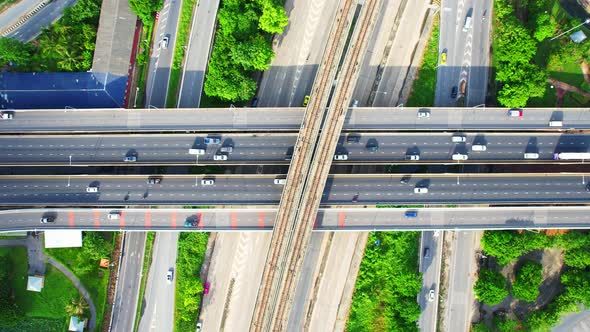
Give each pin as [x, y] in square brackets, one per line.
[169, 276]
[458, 139]
[114, 215]
[91, 189]
[341, 157]
[130, 159]
[420, 190]
[280, 181]
[478, 147]
[199, 326]
[164, 42]
[207, 182]
[220, 157]
[423, 114]
[412, 157]
[5, 116]
[459, 156]
[431, 295]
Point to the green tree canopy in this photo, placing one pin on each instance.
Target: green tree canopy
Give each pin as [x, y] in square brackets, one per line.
[145, 9]
[490, 287]
[274, 18]
[12, 50]
[507, 246]
[528, 280]
[253, 54]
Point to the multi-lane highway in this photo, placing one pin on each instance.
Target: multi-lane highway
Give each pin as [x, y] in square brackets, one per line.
[430, 264]
[261, 190]
[281, 119]
[371, 148]
[337, 219]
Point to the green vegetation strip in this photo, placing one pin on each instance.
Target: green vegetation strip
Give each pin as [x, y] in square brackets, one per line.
[424, 86]
[508, 247]
[184, 24]
[189, 287]
[4, 4]
[24, 310]
[84, 263]
[147, 261]
[385, 294]
[66, 45]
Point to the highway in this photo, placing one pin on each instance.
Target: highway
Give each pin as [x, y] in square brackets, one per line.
[337, 219]
[161, 58]
[42, 19]
[158, 314]
[281, 119]
[430, 268]
[298, 53]
[261, 190]
[127, 293]
[467, 51]
[273, 148]
[197, 53]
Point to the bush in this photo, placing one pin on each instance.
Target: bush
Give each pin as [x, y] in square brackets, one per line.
[385, 294]
[145, 9]
[528, 280]
[507, 246]
[490, 287]
[191, 253]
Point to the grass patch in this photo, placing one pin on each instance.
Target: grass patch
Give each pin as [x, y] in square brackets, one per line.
[147, 261]
[4, 4]
[422, 94]
[44, 311]
[191, 254]
[184, 23]
[83, 262]
[385, 293]
[142, 59]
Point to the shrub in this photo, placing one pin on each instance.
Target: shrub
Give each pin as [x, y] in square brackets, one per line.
[528, 280]
[490, 288]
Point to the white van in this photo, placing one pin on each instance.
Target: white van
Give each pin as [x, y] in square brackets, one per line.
[555, 123]
[531, 155]
[478, 147]
[459, 156]
[280, 181]
[196, 151]
[468, 22]
[458, 139]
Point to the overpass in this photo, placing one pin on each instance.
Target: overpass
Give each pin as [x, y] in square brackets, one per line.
[338, 219]
[286, 119]
[272, 149]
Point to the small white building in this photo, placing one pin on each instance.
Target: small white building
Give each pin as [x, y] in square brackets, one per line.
[76, 324]
[578, 36]
[63, 239]
[35, 283]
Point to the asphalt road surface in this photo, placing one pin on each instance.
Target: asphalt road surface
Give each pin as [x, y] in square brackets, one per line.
[197, 54]
[256, 148]
[49, 14]
[576, 322]
[261, 190]
[467, 51]
[235, 272]
[298, 53]
[430, 268]
[161, 59]
[347, 219]
[130, 271]
[159, 293]
[273, 119]
[462, 275]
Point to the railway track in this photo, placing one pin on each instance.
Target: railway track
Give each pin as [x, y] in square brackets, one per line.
[283, 233]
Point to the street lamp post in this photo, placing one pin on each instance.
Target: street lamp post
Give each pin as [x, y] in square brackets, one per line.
[577, 26]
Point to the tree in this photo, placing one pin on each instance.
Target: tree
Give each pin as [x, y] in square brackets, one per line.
[77, 307]
[490, 287]
[577, 283]
[274, 18]
[507, 246]
[480, 327]
[577, 257]
[254, 54]
[12, 50]
[528, 280]
[502, 324]
[145, 9]
[545, 26]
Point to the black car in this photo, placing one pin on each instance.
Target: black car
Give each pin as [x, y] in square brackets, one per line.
[588, 187]
[353, 138]
[454, 92]
[405, 180]
[372, 145]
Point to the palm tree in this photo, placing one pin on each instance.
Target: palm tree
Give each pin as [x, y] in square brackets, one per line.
[77, 307]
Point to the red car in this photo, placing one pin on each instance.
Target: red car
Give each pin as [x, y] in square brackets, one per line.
[206, 288]
[515, 113]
